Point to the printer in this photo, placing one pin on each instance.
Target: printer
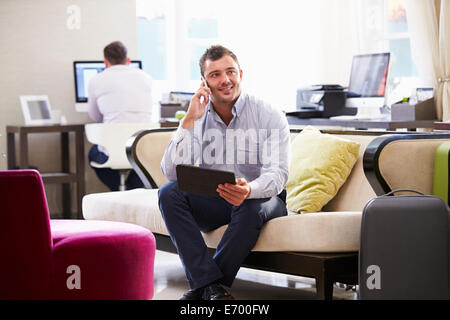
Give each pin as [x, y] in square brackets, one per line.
[321, 101]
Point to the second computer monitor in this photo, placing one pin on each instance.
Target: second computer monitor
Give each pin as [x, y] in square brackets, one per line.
[368, 78]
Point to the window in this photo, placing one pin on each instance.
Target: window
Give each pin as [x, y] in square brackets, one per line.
[172, 35]
[152, 37]
[282, 45]
[202, 32]
[272, 40]
[152, 46]
[384, 27]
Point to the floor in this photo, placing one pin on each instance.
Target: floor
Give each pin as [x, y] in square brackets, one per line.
[170, 283]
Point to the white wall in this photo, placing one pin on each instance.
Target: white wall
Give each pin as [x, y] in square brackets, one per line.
[36, 54]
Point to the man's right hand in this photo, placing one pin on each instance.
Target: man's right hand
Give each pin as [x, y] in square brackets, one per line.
[197, 106]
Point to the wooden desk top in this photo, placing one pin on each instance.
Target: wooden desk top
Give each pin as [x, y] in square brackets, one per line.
[45, 128]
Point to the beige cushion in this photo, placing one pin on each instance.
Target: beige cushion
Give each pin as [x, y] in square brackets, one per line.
[320, 164]
[356, 191]
[400, 158]
[150, 150]
[138, 206]
[320, 232]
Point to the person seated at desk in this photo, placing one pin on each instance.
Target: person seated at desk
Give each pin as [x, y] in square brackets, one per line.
[122, 94]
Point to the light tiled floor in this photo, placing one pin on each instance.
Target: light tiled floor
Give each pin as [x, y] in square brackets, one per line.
[170, 283]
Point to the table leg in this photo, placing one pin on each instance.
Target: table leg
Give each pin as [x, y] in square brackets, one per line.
[66, 200]
[11, 150]
[80, 161]
[65, 167]
[23, 143]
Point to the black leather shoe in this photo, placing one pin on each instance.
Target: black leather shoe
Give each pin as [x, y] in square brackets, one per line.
[216, 292]
[192, 294]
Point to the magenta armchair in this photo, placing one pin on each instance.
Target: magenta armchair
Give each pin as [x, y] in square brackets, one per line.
[67, 259]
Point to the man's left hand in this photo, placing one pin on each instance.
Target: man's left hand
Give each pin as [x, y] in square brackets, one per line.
[234, 193]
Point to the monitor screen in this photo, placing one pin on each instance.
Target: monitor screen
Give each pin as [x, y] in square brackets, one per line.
[369, 75]
[85, 70]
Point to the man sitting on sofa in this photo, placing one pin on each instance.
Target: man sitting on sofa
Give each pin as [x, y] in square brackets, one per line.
[218, 115]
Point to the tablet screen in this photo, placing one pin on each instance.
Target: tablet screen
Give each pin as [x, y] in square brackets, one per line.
[202, 180]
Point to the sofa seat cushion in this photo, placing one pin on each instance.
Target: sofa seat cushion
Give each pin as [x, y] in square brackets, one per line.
[138, 206]
[318, 232]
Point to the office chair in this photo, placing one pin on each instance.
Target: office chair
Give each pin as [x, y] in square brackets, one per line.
[45, 258]
[113, 137]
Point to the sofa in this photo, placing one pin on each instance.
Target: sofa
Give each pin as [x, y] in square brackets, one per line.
[323, 245]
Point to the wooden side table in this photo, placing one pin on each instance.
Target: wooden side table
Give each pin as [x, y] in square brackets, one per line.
[65, 177]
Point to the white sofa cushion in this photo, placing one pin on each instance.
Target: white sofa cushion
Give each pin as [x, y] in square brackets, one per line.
[318, 232]
[138, 206]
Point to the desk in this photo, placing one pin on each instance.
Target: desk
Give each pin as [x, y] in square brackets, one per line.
[65, 177]
[364, 124]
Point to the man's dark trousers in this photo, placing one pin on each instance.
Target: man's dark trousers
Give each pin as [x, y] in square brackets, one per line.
[187, 214]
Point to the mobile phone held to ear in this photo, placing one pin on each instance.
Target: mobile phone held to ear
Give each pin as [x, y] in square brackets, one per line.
[205, 83]
[206, 86]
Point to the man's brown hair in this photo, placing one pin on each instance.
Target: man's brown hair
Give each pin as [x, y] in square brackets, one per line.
[214, 53]
[115, 53]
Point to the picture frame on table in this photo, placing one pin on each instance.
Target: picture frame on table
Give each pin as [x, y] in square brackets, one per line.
[36, 109]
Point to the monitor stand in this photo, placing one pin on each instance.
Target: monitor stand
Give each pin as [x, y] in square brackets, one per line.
[369, 113]
[81, 107]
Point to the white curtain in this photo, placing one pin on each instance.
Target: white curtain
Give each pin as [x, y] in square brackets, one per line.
[429, 25]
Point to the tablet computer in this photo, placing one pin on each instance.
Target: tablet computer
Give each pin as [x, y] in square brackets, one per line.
[202, 180]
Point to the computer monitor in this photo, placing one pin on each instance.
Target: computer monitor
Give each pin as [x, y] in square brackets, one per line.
[83, 71]
[367, 87]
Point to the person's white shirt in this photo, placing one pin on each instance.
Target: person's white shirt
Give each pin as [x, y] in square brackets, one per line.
[120, 93]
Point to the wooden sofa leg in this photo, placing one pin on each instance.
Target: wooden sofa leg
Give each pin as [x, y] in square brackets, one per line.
[324, 287]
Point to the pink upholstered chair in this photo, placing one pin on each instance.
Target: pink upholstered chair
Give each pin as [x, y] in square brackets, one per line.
[67, 259]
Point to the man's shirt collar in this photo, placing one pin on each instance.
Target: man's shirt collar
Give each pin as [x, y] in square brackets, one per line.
[236, 110]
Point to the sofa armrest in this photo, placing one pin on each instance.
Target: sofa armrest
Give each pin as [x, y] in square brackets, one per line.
[402, 161]
[145, 150]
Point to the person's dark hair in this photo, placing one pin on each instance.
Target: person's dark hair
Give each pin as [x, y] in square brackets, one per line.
[214, 53]
[115, 53]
